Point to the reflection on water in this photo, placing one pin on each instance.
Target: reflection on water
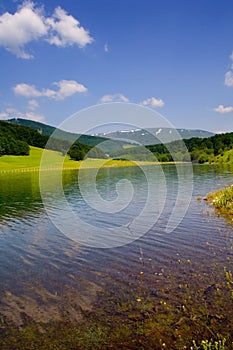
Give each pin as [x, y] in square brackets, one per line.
[45, 276]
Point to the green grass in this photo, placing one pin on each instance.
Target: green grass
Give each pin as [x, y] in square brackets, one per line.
[54, 160]
[31, 162]
[210, 345]
[222, 201]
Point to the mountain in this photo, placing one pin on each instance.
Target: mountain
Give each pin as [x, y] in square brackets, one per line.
[151, 136]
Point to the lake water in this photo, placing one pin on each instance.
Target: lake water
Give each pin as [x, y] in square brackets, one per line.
[45, 276]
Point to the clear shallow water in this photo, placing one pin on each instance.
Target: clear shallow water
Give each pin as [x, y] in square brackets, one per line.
[45, 275]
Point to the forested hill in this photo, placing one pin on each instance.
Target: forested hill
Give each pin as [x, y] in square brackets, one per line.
[47, 130]
[16, 139]
[197, 149]
[200, 150]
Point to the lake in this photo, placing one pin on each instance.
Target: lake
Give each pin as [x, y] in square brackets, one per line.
[46, 276]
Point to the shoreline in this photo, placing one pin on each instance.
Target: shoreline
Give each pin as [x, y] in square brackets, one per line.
[222, 202]
[113, 165]
[66, 168]
[98, 163]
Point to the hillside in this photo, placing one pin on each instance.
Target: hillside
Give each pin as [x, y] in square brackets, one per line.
[15, 140]
[43, 129]
[200, 150]
[47, 130]
[226, 157]
[214, 149]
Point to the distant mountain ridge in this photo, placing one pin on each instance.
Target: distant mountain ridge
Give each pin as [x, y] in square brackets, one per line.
[151, 136]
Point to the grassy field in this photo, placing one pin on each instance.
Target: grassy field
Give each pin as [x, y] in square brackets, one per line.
[54, 160]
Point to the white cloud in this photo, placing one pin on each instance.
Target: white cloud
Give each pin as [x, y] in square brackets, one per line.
[29, 24]
[65, 30]
[221, 109]
[68, 88]
[33, 104]
[106, 49]
[114, 98]
[153, 102]
[229, 78]
[19, 29]
[10, 113]
[65, 89]
[26, 90]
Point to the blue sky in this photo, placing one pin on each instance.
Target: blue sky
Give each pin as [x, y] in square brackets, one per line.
[58, 57]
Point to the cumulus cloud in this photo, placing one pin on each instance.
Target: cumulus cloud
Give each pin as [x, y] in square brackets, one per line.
[65, 88]
[114, 98]
[153, 102]
[10, 113]
[29, 24]
[65, 30]
[68, 88]
[221, 109]
[27, 90]
[17, 30]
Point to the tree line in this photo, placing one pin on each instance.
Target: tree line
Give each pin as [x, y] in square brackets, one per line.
[198, 150]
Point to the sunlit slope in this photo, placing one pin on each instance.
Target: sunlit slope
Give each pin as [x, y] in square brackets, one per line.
[53, 160]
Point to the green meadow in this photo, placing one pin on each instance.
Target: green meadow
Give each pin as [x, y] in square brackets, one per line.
[54, 160]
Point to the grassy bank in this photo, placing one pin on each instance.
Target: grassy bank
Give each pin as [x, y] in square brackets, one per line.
[224, 158]
[222, 201]
[53, 161]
